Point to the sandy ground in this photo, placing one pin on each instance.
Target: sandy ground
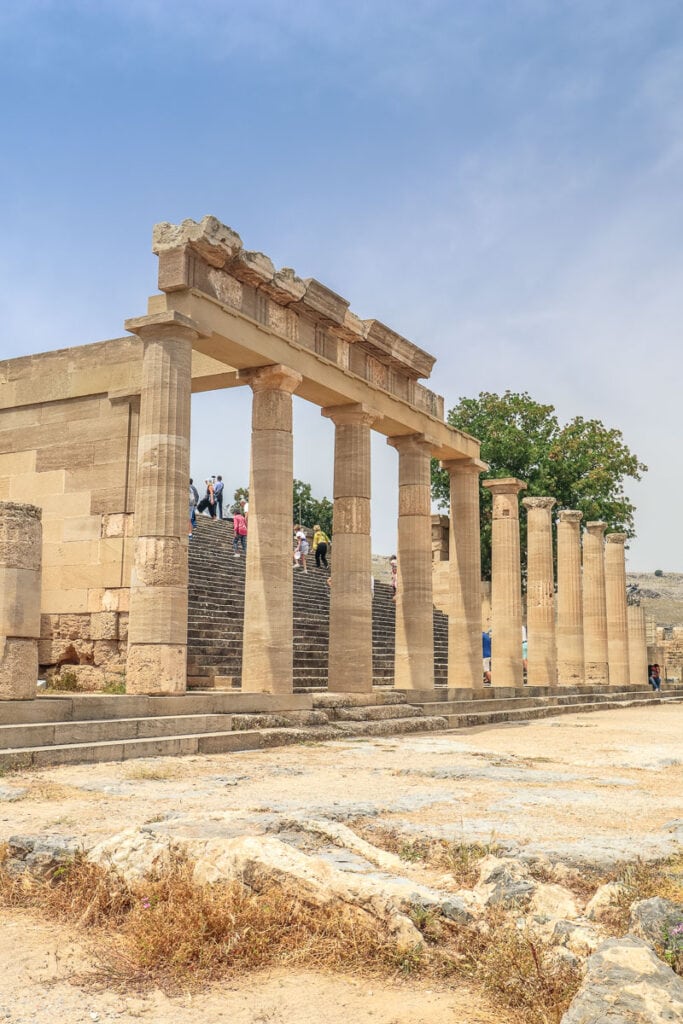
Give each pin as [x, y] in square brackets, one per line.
[602, 787]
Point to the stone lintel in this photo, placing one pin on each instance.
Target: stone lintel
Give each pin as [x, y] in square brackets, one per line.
[168, 324]
[615, 538]
[390, 347]
[357, 412]
[569, 515]
[464, 466]
[326, 305]
[404, 442]
[180, 246]
[538, 503]
[505, 485]
[275, 377]
[596, 527]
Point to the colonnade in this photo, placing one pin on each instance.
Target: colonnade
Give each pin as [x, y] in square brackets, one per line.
[584, 634]
[157, 653]
[593, 639]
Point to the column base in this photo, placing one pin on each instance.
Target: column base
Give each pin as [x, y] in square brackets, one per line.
[156, 669]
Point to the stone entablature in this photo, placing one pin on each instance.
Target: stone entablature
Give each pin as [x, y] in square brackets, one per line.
[208, 257]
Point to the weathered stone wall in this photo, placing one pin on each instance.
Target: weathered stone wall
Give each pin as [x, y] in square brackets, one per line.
[68, 438]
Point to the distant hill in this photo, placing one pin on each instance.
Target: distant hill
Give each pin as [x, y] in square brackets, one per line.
[660, 596]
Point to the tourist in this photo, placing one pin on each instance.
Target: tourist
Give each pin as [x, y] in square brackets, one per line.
[393, 562]
[218, 496]
[320, 545]
[301, 547]
[239, 527]
[655, 679]
[191, 521]
[486, 657]
[194, 501]
[208, 503]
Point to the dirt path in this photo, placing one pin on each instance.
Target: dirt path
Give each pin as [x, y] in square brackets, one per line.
[601, 786]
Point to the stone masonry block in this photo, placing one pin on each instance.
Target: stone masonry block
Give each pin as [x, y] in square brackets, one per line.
[104, 626]
[158, 615]
[352, 515]
[160, 562]
[19, 603]
[18, 668]
[414, 500]
[156, 669]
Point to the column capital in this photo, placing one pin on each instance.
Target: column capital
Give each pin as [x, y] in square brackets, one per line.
[275, 377]
[596, 528]
[569, 515]
[505, 485]
[356, 413]
[615, 538]
[464, 467]
[408, 442]
[530, 504]
[163, 326]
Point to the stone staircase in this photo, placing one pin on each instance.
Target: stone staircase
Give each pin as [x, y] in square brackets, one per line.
[87, 728]
[216, 619]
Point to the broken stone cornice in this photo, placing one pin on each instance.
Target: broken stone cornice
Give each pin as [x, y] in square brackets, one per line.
[211, 240]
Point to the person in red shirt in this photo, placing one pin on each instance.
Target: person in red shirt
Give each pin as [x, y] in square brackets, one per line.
[239, 527]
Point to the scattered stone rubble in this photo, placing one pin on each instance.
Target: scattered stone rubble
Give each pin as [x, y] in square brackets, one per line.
[325, 862]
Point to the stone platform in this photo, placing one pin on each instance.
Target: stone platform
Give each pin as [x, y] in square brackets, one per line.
[80, 728]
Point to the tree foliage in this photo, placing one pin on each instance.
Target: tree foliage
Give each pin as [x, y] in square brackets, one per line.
[583, 464]
[306, 509]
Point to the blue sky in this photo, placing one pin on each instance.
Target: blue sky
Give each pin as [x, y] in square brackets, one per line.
[498, 181]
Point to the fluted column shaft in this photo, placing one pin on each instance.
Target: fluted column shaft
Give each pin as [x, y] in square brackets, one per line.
[268, 646]
[464, 575]
[594, 605]
[570, 653]
[506, 585]
[157, 629]
[615, 602]
[414, 638]
[637, 645]
[350, 645]
[540, 594]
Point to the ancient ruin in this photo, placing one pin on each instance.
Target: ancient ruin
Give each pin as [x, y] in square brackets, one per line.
[97, 438]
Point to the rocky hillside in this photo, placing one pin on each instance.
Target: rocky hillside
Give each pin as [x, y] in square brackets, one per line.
[660, 596]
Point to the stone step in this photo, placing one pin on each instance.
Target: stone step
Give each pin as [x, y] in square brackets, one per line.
[461, 721]
[207, 743]
[96, 730]
[376, 713]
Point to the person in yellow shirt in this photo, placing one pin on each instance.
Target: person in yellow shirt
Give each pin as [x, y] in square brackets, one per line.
[320, 544]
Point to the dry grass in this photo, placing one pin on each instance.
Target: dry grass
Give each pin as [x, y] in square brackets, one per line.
[641, 881]
[457, 857]
[155, 772]
[172, 933]
[44, 791]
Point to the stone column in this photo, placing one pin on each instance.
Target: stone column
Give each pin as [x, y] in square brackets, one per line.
[414, 637]
[268, 645]
[615, 602]
[570, 655]
[594, 605]
[464, 609]
[637, 646]
[540, 594]
[506, 584]
[350, 645]
[157, 630]
[20, 577]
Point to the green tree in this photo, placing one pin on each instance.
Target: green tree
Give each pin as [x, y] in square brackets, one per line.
[583, 464]
[310, 511]
[305, 508]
